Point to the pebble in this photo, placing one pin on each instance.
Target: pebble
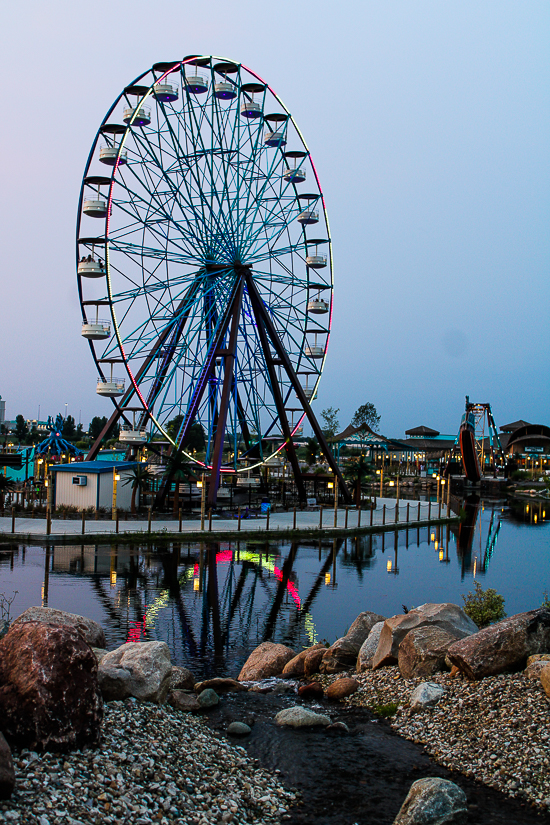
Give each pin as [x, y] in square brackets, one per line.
[239, 729]
[154, 765]
[496, 731]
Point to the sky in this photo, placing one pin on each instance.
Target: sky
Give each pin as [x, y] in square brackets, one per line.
[429, 126]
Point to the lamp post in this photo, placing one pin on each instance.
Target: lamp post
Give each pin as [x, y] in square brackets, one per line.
[116, 479]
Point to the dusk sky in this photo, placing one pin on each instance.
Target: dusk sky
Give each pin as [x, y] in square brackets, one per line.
[429, 125]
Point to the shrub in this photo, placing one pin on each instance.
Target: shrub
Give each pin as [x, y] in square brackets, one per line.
[385, 711]
[484, 606]
[546, 600]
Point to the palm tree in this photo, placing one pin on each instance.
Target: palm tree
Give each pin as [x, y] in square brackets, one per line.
[6, 486]
[178, 470]
[358, 471]
[312, 451]
[140, 480]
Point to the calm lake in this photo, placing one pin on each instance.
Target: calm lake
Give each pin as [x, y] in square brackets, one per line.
[214, 603]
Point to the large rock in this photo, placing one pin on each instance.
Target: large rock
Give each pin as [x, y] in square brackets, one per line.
[312, 661]
[368, 648]
[299, 717]
[341, 688]
[433, 801]
[91, 631]
[545, 679]
[49, 694]
[426, 695]
[504, 646]
[447, 616]
[535, 664]
[7, 771]
[181, 679]
[296, 667]
[268, 659]
[423, 650]
[140, 669]
[342, 655]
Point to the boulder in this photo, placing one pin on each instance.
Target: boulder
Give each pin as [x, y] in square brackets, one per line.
[535, 664]
[49, 694]
[313, 661]
[268, 659]
[447, 616]
[314, 690]
[220, 685]
[433, 801]
[184, 701]
[296, 666]
[341, 688]
[545, 679]
[423, 650]
[368, 648]
[140, 669]
[208, 698]
[239, 729]
[342, 655]
[181, 679]
[426, 695]
[7, 770]
[504, 646]
[99, 653]
[299, 717]
[91, 631]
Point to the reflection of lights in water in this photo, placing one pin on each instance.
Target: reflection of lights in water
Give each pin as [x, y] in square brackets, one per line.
[544, 513]
[196, 584]
[535, 518]
[151, 612]
[526, 508]
[42, 595]
[310, 629]
[475, 566]
[432, 537]
[441, 555]
[436, 545]
[389, 565]
[113, 578]
[327, 578]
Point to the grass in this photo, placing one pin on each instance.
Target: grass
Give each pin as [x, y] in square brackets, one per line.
[385, 711]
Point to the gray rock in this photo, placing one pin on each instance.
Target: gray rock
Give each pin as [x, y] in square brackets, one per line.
[268, 659]
[368, 648]
[208, 698]
[181, 679]
[426, 695]
[139, 669]
[91, 631]
[338, 726]
[299, 717]
[238, 729]
[187, 702]
[7, 771]
[447, 616]
[99, 653]
[503, 646]
[342, 655]
[433, 801]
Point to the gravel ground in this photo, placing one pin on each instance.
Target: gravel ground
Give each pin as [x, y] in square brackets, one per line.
[496, 731]
[154, 765]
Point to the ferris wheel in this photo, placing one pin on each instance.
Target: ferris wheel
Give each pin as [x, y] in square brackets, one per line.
[206, 292]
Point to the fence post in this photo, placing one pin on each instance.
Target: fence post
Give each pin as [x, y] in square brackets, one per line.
[83, 521]
[294, 520]
[210, 519]
[408, 510]
[239, 519]
[396, 512]
[267, 519]
[439, 513]
[116, 519]
[346, 520]
[179, 518]
[320, 516]
[372, 509]
[359, 516]
[383, 515]
[13, 519]
[429, 511]
[48, 521]
[149, 515]
[418, 519]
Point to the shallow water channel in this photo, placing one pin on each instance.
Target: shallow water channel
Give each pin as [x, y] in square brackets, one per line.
[213, 603]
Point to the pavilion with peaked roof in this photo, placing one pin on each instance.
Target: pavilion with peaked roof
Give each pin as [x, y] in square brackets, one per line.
[364, 438]
[422, 432]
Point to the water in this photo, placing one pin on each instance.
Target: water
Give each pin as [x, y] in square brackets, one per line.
[214, 604]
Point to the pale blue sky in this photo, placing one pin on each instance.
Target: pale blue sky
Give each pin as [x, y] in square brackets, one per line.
[429, 125]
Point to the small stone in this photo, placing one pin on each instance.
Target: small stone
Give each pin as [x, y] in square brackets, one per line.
[208, 698]
[299, 717]
[426, 695]
[238, 729]
[184, 701]
[341, 688]
[314, 690]
[338, 726]
[220, 685]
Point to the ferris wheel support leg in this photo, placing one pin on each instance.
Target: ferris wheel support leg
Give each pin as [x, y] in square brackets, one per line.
[228, 367]
[262, 313]
[280, 594]
[277, 397]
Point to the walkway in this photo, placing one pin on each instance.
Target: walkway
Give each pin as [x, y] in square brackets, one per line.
[410, 514]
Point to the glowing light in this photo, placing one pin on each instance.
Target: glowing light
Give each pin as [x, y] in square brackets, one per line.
[117, 477]
[327, 578]
[113, 578]
[196, 584]
[441, 555]
[330, 485]
[432, 537]
[389, 565]
[436, 545]
[535, 518]
[199, 484]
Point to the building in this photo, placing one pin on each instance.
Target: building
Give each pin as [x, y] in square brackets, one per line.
[89, 484]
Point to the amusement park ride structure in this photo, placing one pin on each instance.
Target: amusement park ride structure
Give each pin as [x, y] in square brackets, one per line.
[212, 263]
[478, 440]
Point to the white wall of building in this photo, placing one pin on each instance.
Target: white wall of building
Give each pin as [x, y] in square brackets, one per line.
[82, 497]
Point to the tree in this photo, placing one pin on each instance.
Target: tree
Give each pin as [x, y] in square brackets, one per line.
[195, 439]
[332, 424]
[366, 414]
[358, 471]
[140, 479]
[312, 451]
[6, 486]
[69, 428]
[21, 428]
[96, 425]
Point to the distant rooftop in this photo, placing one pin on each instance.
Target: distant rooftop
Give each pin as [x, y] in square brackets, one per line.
[422, 432]
[515, 425]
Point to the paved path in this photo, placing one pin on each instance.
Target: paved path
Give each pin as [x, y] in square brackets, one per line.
[306, 520]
